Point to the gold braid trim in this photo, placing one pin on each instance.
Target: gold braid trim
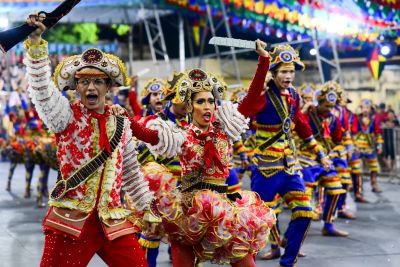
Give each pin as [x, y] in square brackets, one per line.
[302, 214]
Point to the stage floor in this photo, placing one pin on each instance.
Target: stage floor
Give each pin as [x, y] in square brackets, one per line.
[374, 237]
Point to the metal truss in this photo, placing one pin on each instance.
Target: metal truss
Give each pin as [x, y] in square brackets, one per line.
[155, 34]
[334, 63]
[226, 57]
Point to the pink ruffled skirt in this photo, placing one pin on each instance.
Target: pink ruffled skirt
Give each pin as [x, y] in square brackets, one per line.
[220, 231]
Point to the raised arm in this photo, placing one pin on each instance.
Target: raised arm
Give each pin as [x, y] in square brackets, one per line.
[164, 138]
[52, 107]
[253, 102]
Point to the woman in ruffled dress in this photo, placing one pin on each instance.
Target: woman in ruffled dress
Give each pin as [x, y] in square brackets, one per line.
[201, 219]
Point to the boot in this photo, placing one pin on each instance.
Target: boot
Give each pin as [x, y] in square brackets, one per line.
[374, 183]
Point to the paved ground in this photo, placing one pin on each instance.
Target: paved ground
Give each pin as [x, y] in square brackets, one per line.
[374, 237]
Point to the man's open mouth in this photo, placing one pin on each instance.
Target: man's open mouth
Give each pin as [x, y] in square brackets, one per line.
[92, 98]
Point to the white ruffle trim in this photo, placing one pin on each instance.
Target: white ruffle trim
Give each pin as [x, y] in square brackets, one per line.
[231, 120]
[170, 138]
[52, 107]
[39, 64]
[132, 179]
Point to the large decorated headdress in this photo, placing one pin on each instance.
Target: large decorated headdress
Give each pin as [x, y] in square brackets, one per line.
[366, 103]
[153, 86]
[327, 93]
[238, 95]
[337, 88]
[112, 66]
[173, 86]
[285, 54]
[307, 90]
[195, 81]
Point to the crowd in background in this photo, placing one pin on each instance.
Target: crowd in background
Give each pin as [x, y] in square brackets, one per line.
[13, 87]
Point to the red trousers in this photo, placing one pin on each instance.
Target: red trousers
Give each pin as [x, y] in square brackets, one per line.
[61, 250]
[183, 256]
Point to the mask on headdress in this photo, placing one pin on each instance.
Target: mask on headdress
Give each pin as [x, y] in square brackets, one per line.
[326, 94]
[334, 86]
[172, 92]
[285, 55]
[92, 62]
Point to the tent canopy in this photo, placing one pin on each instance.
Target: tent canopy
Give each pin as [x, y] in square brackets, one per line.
[97, 11]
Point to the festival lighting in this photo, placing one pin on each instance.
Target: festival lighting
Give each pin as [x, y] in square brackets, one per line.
[385, 50]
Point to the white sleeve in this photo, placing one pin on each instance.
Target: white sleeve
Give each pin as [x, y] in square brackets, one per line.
[170, 138]
[53, 108]
[133, 181]
[231, 120]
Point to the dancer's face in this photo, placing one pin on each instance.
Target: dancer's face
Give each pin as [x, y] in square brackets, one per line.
[179, 110]
[284, 76]
[203, 109]
[93, 92]
[325, 108]
[156, 102]
[308, 100]
[366, 110]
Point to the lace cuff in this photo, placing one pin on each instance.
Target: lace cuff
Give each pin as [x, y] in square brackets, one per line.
[231, 120]
[170, 138]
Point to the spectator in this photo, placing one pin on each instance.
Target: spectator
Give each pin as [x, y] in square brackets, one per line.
[389, 152]
[382, 114]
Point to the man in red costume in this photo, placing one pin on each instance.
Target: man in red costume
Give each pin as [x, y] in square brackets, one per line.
[97, 159]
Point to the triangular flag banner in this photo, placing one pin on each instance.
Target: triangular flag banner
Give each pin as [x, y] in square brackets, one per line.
[376, 63]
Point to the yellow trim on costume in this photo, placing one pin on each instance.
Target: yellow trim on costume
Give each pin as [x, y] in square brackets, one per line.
[302, 214]
[149, 243]
[36, 51]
